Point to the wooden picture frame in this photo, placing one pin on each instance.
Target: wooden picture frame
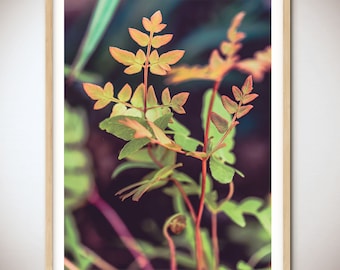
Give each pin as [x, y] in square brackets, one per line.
[50, 129]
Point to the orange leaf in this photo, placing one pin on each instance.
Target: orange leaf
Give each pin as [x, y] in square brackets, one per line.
[151, 98]
[122, 56]
[141, 38]
[159, 41]
[237, 93]
[248, 98]
[220, 123]
[232, 34]
[171, 57]
[137, 99]
[166, 99]
[103, 96]
[147, 24]
[180, 98]
[156, 18]
[125, 93]
[243, 111]
[178, 109]
[247, 87]
[230, 105]
[215, 60]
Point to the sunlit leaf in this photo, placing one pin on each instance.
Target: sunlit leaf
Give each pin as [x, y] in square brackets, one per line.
[230, 105]
[132, 147]
[237, 93]
[151, 98]
[166, 99]
[118, 109]
[178, 127]
[215, 61]
[220, 171]
[247, 86]
[160, 135]
[156, 18]
[161, 40]
[138, 97]
[171, 57]
[243, 110]
[122, 56]
[220, 123]
[141, 38]
[102, 95]
[140, 57]
[125, 93]
[133, 69]
[154, 24]
[157, 70]
[154, 57]
[187, 143]
[231, 209]
[178, 101]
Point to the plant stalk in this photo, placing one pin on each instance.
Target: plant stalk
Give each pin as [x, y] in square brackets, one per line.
[146, 71]
[120, 228]
[172, 248]
[214, 237]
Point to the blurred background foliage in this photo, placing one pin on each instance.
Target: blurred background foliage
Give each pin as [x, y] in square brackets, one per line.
[198, 26]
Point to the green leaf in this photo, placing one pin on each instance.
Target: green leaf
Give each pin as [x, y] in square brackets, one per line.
[187, 143]
[231, 209]
[251, 205]
[137, 99]
[166, 99]
[163, 121]
[178, 127]
[99, 21]
[115, 127]
[241, 265]
[225, 153]
[132, 165]
[75, 159]
[207, 247]
[220, 171]
[132, 147]
[151, 99]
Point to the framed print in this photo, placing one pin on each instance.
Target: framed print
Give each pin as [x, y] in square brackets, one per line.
[168, 145]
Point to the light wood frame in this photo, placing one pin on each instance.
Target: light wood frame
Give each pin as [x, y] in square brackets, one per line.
[286, 135]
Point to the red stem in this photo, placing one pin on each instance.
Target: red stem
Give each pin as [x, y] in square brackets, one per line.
[146, 68]
[120, 228]
[199, 249]
[215, 240]
[172, 248]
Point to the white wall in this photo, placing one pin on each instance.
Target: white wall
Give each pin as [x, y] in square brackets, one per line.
[316, 133]
[22, 134]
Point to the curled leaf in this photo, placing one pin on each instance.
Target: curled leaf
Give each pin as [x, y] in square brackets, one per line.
[139, 37]
[177, 223]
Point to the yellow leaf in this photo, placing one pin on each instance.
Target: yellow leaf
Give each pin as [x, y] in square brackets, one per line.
[151, 98]
[133, 69]
[215, 61]
[159, 134]
[100, 104]
[118, 109]
[171, 57]
[125, 93]
[166, 99]
[102, 96]
[154, 25]
[141, 38]
[122, 56]
[230, 105]
[137, 99]
[180, 99]
[237, 93]
[156, 18]
[159, 41]
[157, 70]
[140, 57]
[147, 24]
[154, 57]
